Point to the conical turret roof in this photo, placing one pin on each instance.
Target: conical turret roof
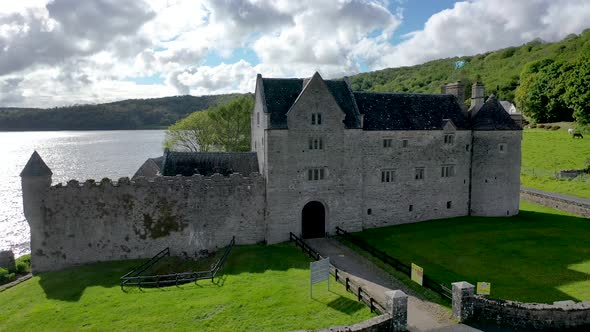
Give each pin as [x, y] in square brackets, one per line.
[36, 167]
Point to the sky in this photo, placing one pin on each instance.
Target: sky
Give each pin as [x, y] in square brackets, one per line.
[65, 52]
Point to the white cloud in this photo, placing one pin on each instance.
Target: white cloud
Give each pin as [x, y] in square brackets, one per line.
[69, 51]
[472, 27]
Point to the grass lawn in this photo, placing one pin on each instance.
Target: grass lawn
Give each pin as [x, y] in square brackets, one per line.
[262, 288]
[548, 151]
[541, 255]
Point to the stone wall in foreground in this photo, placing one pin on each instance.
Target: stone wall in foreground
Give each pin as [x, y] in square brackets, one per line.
[101, 221]
[561, 315]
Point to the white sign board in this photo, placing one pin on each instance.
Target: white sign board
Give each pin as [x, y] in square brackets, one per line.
[319, 271]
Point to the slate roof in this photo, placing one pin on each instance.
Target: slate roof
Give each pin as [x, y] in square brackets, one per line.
[492, 116]
[386, 111]
[207, 163]
[409, 111]
[36, 167]
[281, 93]
[150, 168]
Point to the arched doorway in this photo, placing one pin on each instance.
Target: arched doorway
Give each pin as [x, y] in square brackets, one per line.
[313, 220]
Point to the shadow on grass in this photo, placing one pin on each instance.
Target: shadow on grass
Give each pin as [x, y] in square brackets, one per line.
[69, 284]
[346, 305]
[527, 257]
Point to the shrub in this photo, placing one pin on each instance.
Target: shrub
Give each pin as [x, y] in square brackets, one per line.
[548, 127]
[541, 126]
[533, 125]
[6, 276]
[555, 127]
[23, 264]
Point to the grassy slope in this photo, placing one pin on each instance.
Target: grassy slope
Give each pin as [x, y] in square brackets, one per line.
[499, 70]
[548, 151]
[262, 288]
[541, 255]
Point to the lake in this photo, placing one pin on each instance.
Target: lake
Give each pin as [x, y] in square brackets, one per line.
[79, 155]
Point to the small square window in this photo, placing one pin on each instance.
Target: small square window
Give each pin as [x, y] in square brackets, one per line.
[411, 208]
[502, 147]
[387, 175]
[369, 211]
[449, 204]
[387, 142]
[467, 147]
[404, 143]
[447, 171]
[315, 174]
[419, 173]
[316, 118]
[449, 139]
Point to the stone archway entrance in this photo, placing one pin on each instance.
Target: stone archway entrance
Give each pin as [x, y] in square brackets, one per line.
[313, 220]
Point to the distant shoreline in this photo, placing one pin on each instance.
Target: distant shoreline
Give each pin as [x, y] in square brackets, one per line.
[77, 129]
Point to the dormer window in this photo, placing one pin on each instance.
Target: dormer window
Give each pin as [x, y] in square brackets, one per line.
[316, 119]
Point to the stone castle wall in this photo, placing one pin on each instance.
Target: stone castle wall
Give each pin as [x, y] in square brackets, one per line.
[88, 222]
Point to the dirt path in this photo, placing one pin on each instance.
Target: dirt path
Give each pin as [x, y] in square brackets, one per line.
[422, 315]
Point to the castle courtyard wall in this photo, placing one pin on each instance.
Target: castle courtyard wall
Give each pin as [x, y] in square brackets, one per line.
[89, 222]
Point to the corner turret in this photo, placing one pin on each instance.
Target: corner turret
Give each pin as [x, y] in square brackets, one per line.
[35, 180]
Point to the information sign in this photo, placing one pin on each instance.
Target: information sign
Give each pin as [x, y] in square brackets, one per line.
[417, 274]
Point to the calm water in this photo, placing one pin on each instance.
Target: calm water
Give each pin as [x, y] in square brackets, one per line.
[76, 155]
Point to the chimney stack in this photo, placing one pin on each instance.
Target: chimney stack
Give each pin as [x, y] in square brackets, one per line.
[456, 89]
[477, 98]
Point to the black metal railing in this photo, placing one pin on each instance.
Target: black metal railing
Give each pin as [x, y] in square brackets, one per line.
[406, 269]
[304, 246]
[360, 293]
[134, 277]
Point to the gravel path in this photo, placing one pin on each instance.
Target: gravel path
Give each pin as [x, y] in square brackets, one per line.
[422, 315]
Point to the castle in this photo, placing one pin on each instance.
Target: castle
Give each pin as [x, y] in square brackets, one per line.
[322, 156]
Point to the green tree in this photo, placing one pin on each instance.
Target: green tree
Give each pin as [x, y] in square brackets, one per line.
[224, 127]
[194, 133]
[577, 91]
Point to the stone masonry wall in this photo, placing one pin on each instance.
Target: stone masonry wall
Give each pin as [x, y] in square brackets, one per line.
[529, 316]
[89, 222]
[557, 201]
[562, 315]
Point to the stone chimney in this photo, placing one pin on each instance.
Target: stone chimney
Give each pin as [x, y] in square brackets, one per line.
[477, 98]
[456, 89]
[35, 181]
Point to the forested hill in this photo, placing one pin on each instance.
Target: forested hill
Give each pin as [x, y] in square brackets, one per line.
[499, 70]
[125, 114]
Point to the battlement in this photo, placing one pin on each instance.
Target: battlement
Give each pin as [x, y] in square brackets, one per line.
[234, 179]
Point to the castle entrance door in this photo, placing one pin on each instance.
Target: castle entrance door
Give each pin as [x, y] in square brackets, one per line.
[313, 220]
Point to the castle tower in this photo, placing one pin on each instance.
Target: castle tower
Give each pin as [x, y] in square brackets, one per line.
[35, 180]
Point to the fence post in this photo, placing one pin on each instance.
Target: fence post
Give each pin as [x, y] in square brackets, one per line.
[397, 307]
[463, 300]
[359, 293]
[347, 285]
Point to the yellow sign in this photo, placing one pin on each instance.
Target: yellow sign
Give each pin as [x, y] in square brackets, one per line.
[417, 274]
[484, 288]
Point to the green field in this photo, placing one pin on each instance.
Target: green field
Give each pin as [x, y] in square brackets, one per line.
[541, 255]
[545, 152]
[262, 288]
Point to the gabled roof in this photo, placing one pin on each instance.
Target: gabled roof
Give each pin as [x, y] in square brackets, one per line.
[281, 93]
[207, 163]
[36, 167]
[493, 116]
[150, 167]
[409, 111]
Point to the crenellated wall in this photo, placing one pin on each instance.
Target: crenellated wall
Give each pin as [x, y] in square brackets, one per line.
[107, 220]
